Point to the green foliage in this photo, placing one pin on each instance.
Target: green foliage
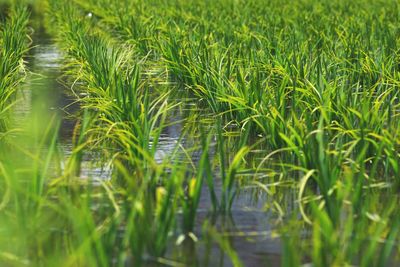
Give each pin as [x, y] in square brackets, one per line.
[300, 98]
[13, 45]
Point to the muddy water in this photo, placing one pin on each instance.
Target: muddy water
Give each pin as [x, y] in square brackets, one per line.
[248, 229]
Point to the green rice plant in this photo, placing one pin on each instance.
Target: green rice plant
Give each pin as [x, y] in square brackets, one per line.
[132, 27]
[336, 244]
[228, 175]
[318, 99]
[27, 160]
[191, 199]
[14, 45]
[79, 142]
[150, 211]
[311, 86]
[125, 116]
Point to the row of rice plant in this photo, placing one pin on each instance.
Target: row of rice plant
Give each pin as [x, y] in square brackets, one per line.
[322, 89]
[121, 117]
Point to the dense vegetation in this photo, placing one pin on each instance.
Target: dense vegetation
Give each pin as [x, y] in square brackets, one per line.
[296, 102]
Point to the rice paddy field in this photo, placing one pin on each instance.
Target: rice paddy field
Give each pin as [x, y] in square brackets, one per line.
[199, 133]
